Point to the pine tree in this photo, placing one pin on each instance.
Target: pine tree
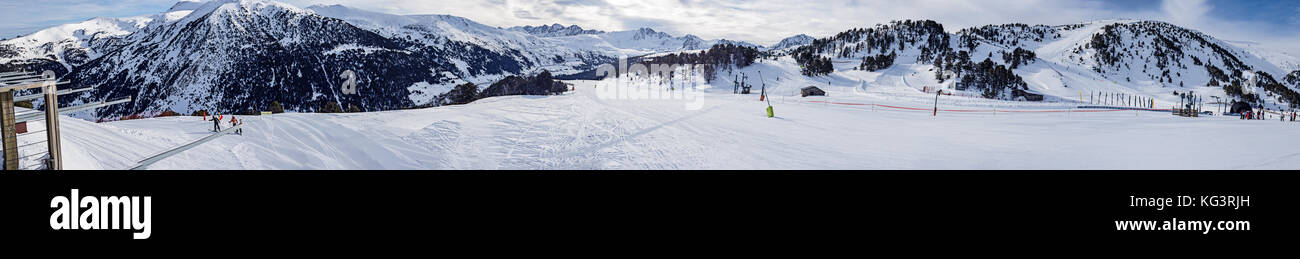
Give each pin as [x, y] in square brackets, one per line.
[330, 107]
[276, 107]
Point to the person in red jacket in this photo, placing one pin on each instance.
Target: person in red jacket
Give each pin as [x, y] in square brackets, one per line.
[235, 122]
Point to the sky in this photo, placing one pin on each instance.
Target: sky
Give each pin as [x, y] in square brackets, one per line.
[1273, 23]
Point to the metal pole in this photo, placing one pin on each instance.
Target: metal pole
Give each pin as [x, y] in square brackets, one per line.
[936, 102]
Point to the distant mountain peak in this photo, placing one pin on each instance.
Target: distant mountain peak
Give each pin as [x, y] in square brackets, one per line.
[554, 30]
[243, 5]
[793, 41]
[648, 33]
[185, 5]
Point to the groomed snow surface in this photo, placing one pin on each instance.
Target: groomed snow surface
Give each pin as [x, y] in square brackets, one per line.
[582, 130]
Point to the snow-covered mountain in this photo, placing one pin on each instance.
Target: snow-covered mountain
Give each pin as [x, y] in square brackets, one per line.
[1016, 60]
[554, 30]
[240, 55]
[74, 44]
[792, 41]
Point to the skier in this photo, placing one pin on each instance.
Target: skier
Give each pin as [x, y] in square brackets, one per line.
[216, 123]
[235, 122]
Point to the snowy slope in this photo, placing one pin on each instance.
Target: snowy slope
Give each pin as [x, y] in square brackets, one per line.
[581, 130]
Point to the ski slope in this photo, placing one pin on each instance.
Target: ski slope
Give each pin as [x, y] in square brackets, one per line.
[581, 130]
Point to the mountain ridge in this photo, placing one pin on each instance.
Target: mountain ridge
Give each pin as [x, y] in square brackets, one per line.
[1113, 55]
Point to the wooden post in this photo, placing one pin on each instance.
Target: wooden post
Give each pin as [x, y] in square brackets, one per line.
[10, 135]
[52, 121]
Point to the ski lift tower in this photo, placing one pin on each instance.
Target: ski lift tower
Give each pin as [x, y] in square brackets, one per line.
[11, 82]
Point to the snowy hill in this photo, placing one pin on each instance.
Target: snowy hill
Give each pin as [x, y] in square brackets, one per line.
[1139, 58]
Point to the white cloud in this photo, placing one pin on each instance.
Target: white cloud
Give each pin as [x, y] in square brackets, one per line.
[759, 21]
[1186, 12]
[1195, 14]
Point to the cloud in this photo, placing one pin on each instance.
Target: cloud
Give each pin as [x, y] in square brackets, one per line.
[23, 17]
[1186, 11]
[759, 21]
[1196, 14]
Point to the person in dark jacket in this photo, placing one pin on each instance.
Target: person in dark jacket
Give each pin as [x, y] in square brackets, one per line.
[216, 123]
